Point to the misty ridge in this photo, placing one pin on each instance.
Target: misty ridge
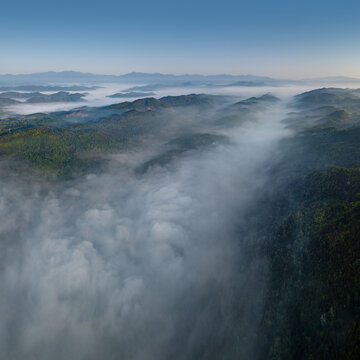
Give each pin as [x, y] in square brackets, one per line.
[180, 222]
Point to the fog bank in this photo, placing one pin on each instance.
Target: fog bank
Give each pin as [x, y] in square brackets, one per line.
[118, 265]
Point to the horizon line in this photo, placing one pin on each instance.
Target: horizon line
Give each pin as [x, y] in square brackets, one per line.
[177, 74]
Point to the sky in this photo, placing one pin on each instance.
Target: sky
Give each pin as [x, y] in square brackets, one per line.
[283, 39]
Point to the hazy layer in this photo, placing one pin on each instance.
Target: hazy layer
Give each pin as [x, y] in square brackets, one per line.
[99, 97]
[115, 265]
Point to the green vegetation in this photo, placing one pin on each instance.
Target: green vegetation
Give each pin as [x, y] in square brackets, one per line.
[313, 303]
[66, 141]
[59, 149]
[313, 310]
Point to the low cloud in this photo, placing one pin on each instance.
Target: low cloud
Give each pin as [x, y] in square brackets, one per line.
[119, 265]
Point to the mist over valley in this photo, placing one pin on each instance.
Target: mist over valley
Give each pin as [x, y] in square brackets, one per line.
[193, 223]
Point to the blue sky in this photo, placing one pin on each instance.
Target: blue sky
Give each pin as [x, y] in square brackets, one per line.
[276, 38]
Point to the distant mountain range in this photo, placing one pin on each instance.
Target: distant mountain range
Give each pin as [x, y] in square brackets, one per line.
[8, 81]
[332, 79]
[45, 87]
[134, 77]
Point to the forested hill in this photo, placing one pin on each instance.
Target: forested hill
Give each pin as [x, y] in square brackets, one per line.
[313, 304]
[68, 141]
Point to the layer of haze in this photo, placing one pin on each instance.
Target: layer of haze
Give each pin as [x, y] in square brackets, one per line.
[100, 96]
[118, 265]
